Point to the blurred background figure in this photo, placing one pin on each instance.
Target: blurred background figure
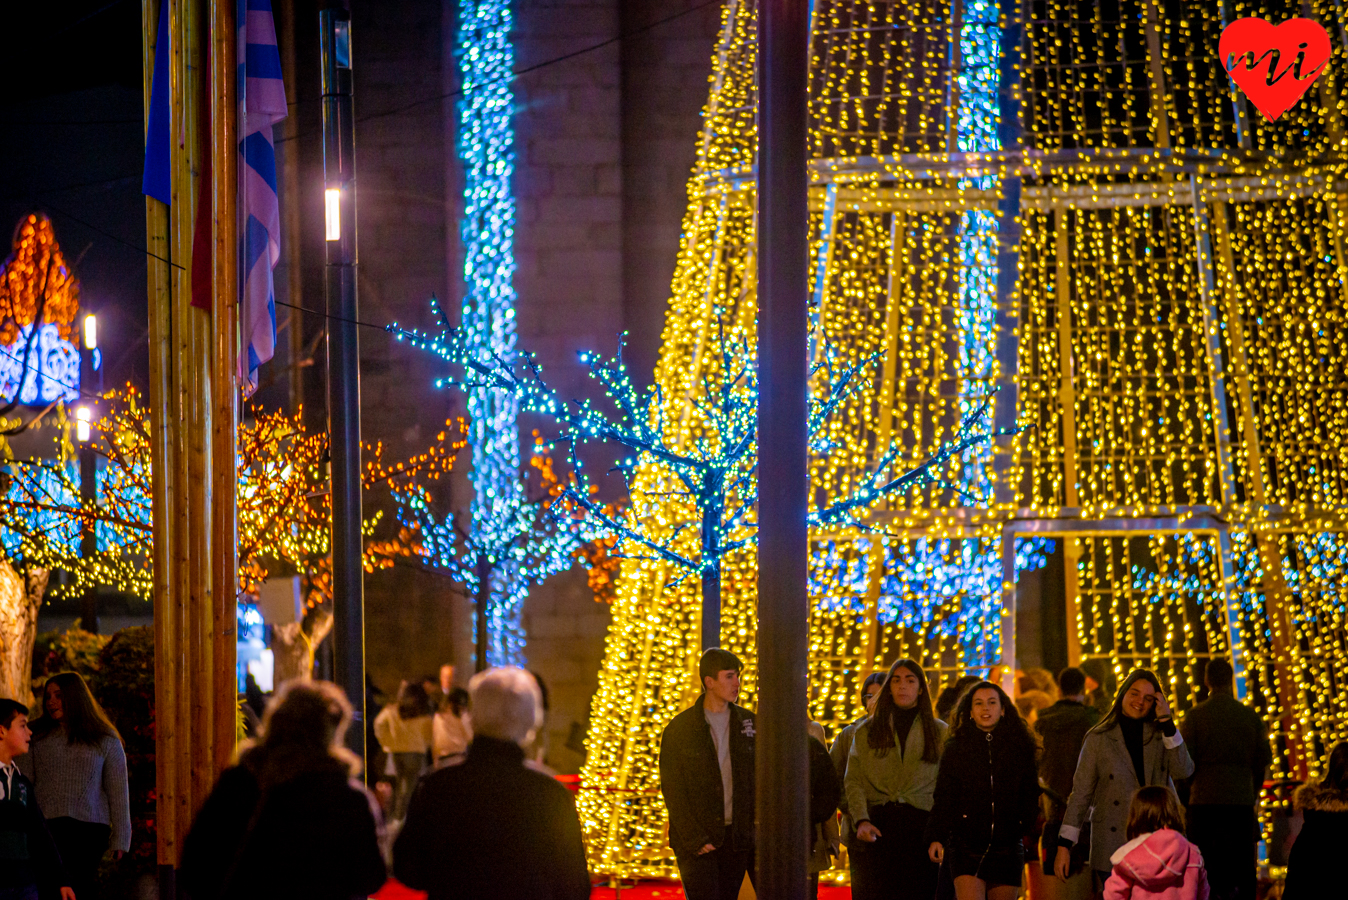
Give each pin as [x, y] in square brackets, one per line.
[1062, 730]
[1229, 746]
[451, 730]
[290, 819]
[487, 824]
[404, 731]
[951, 694]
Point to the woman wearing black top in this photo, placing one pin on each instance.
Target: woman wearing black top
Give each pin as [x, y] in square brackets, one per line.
[987, 794]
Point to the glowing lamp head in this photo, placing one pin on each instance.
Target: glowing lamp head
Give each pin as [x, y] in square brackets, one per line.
[90, 332]
[332, 209]
[82, 426]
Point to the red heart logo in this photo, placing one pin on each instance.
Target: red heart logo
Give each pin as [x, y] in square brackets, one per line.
[1274, 64]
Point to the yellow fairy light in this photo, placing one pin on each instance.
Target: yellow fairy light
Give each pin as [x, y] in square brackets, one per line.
[1174, 335]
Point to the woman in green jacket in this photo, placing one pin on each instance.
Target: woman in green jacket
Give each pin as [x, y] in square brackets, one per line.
[890, 780]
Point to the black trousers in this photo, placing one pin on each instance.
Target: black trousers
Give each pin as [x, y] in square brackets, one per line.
[81, 845]
[717, 875]
[1228, 838]
[895, 866]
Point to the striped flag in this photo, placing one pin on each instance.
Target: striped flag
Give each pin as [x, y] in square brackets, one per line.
[262, 103]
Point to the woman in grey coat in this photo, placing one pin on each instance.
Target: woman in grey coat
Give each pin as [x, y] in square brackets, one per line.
[1135, 745]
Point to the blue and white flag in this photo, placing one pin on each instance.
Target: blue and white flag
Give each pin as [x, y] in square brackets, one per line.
[158, 179]
[262, 103]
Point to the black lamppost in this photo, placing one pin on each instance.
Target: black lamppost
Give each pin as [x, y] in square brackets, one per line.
[91, 381]
[339, 196]
[783, 605]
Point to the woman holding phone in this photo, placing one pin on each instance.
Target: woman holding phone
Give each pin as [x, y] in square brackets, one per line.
[1135, 745]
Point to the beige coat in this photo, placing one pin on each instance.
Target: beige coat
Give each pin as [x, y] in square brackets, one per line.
[398, 735]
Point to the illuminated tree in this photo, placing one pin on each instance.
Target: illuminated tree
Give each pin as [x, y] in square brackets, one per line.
[39, 300]
[285, 509]
[707, 474]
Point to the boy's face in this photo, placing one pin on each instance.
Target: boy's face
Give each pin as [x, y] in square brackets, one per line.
[14, 739]
[726, 685]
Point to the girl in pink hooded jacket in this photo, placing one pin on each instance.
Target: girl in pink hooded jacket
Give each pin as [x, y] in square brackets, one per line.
[1157, 863]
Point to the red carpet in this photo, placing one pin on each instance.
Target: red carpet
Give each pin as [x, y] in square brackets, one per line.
[649, 890]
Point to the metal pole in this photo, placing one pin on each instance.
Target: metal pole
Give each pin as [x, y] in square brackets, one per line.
[783, 605]
[90, 379]
[339, 176]
[480, 604]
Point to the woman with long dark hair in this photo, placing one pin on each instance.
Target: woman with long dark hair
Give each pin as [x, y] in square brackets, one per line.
[1136, 744]
[78, 769]
[1315, 861]
[406, 732]
[891, 775]
[290, 819]
[987, 795]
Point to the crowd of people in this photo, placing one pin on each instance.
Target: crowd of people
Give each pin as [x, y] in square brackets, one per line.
[964, 797]
[970, 796]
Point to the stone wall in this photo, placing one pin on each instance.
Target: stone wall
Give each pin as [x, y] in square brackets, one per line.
[568, 186]
[604, 145]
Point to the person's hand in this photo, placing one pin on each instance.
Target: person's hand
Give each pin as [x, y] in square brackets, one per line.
[1062, 863]
[867, 832]
[706, 848]
[67, 893]
[1162, 706]
[936, 852]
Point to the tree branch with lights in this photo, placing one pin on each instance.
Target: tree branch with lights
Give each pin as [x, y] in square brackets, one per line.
[284, 502]
[711, 469]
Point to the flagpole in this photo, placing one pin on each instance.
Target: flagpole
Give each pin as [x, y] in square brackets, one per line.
[161, 496]
[224, 376]
[339, 177]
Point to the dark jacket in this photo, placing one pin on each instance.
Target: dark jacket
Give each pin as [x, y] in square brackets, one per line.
[1063, 727]
[690, 780]
[987, 790]
[1229, 746]
[313, 834]
[1315, 865]
[825, 785]
[487, 825]
[28, 857]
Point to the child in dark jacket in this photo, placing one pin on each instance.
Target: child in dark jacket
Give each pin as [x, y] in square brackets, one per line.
[987, 795]
[1157, 863]
[28, 857]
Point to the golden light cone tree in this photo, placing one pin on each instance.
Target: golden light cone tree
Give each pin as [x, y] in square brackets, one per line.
[1082, 213]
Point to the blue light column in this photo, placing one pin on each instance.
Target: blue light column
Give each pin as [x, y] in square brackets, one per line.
[486, 147]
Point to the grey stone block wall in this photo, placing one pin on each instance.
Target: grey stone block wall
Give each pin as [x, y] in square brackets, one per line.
[604, 145]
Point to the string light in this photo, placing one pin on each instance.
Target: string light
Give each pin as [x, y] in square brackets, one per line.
[284, 502]
[503, 523]
[1173, 336]
[39, 301]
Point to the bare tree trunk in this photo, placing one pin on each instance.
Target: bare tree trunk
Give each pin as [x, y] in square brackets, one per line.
[20, 600]
[295, 644]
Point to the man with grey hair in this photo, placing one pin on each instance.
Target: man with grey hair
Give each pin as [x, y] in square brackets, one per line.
[486, 825]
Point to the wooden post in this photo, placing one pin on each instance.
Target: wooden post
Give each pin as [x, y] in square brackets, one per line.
[224, 378]
[193, 408]
[161, 496]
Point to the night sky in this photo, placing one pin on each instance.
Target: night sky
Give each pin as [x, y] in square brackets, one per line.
[71, 146]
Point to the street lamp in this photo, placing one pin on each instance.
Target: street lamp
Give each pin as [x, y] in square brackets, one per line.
[91, 382]
[82, 422]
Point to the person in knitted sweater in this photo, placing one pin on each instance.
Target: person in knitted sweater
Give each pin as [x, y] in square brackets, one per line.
[78, 768]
